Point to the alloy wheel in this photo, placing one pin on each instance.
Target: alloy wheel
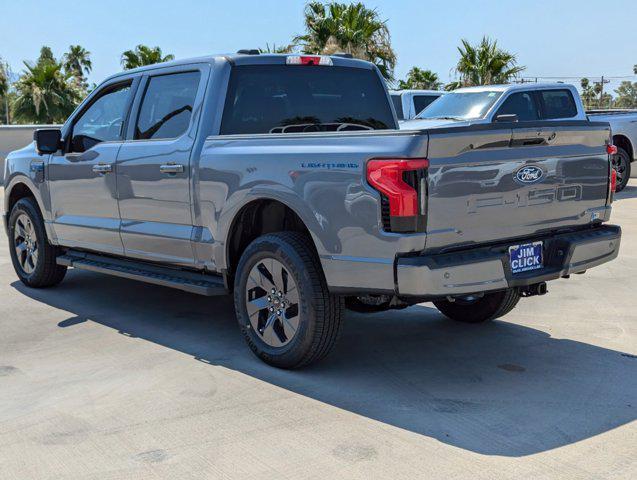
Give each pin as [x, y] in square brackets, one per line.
[272, 302]
[26, 243]
[620, 163]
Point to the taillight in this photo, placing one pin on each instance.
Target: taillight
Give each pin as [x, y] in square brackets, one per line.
[612, 181]
[308, 60]
[406, 198]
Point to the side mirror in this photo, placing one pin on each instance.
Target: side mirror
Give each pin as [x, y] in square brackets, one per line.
[506, 118]
[47, 140]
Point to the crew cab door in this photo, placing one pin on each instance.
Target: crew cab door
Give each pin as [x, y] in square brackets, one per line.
[153, 166]
[82, 180]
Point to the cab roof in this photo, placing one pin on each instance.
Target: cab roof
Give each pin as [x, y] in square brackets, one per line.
[514, 87]
[246, 59]
[417, 91]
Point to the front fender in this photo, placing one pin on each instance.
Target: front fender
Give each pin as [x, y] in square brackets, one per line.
[26, 166]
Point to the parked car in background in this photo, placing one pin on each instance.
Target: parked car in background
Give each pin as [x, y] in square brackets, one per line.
[623, 124]
[408, 103]
[285, 181]
[534, 102]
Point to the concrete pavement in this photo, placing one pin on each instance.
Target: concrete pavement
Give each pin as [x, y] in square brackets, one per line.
[104, 378]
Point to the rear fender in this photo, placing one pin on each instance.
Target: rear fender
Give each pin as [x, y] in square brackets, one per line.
[319, 233]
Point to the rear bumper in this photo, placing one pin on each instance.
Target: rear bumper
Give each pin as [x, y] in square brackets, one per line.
[487, 268]
[5, 223]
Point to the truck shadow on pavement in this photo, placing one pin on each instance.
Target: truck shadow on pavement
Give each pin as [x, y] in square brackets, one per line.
[629, 191]
[494, 389]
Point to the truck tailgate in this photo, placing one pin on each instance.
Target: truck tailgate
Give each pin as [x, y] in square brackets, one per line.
[489, 182]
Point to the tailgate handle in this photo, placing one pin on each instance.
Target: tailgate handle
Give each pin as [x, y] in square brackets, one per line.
[540, 137]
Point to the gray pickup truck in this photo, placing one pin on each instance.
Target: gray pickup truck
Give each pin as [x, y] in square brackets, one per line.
[623, 124]
[285, 180]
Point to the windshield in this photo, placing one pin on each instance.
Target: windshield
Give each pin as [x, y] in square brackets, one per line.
[461, 105]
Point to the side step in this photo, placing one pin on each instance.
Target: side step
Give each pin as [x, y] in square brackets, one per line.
[192, 282]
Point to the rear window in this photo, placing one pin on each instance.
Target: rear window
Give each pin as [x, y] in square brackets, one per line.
[291, 98]
[423, 101]
[558, 104]
[398, 106]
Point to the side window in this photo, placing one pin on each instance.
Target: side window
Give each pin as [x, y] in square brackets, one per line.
[558, 104]
[167, 106]
[520, 104]
[398, 106]
[422, 101]
[103, 120]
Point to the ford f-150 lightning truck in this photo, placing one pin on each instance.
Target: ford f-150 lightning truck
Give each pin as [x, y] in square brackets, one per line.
[285, 180]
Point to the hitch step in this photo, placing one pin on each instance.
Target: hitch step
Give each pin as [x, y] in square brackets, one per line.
[193, 282]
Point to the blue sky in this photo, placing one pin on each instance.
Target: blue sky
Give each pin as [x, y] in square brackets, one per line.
[551, 38]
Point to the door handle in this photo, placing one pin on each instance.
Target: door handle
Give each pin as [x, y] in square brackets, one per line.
[103, 168]
[171, 168]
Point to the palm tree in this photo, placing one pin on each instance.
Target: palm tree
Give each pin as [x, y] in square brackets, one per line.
[348, 28]
[420, 79]
[143, 55]
[274, 49]
[4, 79]
[453, 86]
[77, 61]
[486, 64]
[4, 91]
[46, 55]
[626, 95]
[45, 94]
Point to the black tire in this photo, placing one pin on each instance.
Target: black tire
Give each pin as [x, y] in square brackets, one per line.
[319, 313]
[490, 306]
[621, 163]
[45, 272]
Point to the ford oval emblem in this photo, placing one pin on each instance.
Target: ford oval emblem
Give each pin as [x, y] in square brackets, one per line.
[529, 174]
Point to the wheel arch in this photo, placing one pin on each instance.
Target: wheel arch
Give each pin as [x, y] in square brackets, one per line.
[18, 188]
[260, 216]
[624, 142]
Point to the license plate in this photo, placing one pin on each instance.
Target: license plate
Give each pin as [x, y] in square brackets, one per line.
[525, 257]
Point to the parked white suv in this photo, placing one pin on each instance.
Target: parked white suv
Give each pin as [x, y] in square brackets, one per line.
[409, 103]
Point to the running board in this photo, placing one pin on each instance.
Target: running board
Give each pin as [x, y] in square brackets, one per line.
[193, 282]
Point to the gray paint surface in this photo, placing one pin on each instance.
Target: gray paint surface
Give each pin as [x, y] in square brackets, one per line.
[165, 388]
